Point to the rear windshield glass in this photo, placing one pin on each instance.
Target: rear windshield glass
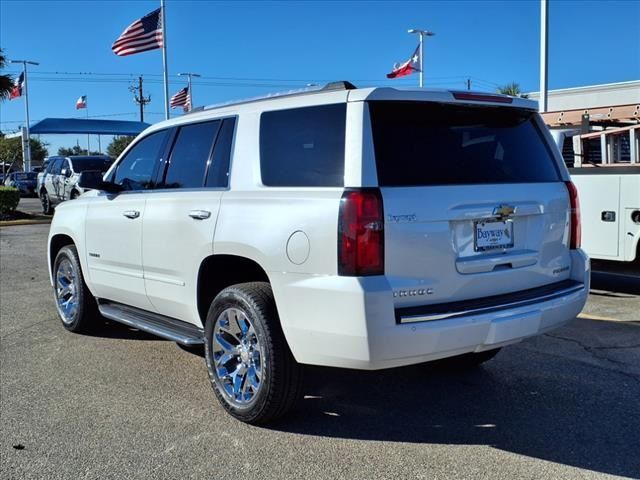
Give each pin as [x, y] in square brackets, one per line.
[419, 144]
[87, 164]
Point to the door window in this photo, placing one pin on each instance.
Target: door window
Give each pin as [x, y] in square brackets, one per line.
[56, 167]
[136, 170]
[190, 155]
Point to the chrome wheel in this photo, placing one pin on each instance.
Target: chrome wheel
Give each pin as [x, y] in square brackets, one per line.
[237, 357]
[66, 291]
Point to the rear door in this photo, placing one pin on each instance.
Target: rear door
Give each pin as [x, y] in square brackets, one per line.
[473, 198]
[181, 215]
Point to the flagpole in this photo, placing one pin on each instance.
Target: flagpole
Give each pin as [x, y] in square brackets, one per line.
[86, 102]
[26, 160]
[421, 60]
[421, 34]
[164, 61]
[189, 85]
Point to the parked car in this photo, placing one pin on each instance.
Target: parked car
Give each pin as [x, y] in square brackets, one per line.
[23, 181]
[356, 228]
[59, 181]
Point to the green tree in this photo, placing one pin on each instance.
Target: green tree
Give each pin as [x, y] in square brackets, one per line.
[11, 151]
[75, 150]
[512, 89]
[6, 82]
[117, 146]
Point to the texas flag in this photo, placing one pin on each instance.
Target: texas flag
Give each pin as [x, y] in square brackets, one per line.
[408, 67]
[81, 102]
[18, 85]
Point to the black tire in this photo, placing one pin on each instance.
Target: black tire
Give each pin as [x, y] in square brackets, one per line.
[280, 375]
[470, 360]
[47, 208]
[74, 195]
[83, 317]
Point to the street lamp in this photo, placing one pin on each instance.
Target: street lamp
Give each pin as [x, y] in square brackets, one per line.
[26, 146]
[422, 33]
[189, 75]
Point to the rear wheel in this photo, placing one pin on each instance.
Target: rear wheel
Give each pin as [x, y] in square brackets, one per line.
[74, 195]
[47, 209]
[76, 306]
[252, 371]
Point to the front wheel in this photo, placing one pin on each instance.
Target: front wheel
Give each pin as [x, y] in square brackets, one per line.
[76, 306]
[252, 371]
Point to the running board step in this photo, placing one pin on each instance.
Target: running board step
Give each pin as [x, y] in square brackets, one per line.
[165, 327]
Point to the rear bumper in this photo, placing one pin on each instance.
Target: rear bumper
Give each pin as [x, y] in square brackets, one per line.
[351, 323]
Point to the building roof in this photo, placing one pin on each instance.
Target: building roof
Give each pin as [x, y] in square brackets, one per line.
[92, 126]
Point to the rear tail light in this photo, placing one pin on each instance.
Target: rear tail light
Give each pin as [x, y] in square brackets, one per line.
[361, 233]
[576, 229]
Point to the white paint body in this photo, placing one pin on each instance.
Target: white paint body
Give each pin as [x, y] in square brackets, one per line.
[152, 262]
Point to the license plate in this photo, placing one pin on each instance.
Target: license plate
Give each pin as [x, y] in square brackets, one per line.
[490, 235]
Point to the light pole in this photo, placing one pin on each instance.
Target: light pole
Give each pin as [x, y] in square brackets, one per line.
[544, 54]
[422, 34]
[26, 150]
[189, 75]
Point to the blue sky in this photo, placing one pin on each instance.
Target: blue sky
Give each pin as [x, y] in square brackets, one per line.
[245, 49]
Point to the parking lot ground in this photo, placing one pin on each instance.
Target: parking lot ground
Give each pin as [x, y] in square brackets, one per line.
[124, 404]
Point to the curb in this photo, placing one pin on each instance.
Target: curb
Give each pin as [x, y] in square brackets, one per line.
[13, 223]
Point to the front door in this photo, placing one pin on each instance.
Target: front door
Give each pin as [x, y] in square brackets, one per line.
[114, 226]
[114, 251]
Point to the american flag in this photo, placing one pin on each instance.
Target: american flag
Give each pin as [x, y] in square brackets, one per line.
[181, 99]
[142, 35]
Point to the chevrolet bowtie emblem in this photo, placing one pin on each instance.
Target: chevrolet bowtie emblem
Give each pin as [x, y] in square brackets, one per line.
[504, 211]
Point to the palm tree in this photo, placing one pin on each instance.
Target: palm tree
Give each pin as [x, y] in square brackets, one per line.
[6, 82]
[512, 89]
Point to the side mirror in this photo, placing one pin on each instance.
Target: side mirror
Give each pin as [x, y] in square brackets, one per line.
[92, 179]
[65, 172]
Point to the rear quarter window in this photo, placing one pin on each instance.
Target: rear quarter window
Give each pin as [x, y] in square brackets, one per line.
[303, 147]
[423, 144]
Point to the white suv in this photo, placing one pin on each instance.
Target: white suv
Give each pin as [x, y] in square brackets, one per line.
[357, 228]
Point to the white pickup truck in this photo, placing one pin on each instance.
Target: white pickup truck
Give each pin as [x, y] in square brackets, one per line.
[609, 193]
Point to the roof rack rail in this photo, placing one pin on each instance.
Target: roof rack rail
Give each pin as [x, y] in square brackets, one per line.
[341, 85]
[332, 86]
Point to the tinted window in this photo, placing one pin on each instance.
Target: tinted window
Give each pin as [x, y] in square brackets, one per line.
[218, 174]
[56, 166]
[303, 146]
[190, 154]
[437, 144]
[135, 170]
[88, 164]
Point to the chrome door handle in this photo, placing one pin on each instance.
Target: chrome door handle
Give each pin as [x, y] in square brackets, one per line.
[131, 213]
[200, 214]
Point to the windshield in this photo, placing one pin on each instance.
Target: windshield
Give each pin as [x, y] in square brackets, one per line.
[85, 164]
[420, 144]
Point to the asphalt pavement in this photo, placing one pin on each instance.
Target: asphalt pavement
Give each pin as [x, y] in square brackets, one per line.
[123, 404]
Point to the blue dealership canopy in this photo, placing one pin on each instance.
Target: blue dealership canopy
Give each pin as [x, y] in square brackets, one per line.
[82, 125]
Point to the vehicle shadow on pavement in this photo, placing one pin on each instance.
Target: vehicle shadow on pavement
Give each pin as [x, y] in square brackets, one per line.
[524, 401]
[116, 330]
[623, 285]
